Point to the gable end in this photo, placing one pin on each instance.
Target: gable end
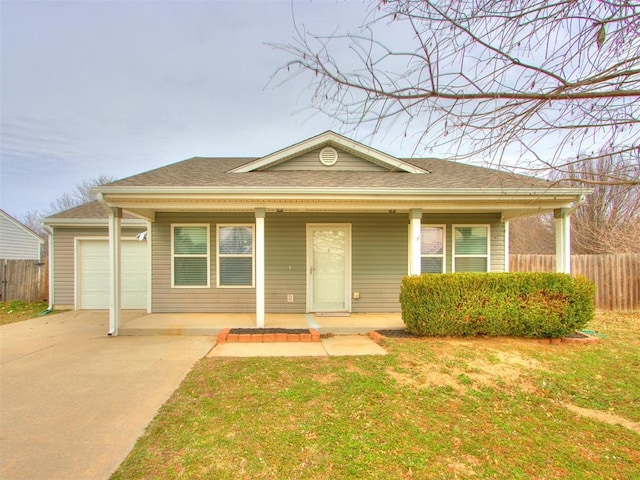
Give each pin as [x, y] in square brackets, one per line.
[329, 139]
[312, 160]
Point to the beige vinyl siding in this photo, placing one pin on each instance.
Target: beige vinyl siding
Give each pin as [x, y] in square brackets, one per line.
[378, 264]
[379, 260]
[63, 265]
[285, 262]
[497, 246]
[346, 162]
[496, 242]
[168, 299]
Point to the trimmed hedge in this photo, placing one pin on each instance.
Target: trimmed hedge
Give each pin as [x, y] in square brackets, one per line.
[540, 305]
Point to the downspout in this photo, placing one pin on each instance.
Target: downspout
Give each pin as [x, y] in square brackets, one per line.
[51, 268]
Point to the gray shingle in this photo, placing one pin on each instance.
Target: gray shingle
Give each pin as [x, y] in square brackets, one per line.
[213, 172]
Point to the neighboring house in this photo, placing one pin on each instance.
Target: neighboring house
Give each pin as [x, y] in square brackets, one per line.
[18, 242]
[325, 225]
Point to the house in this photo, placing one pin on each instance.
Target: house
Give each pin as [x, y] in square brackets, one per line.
[325, 225]
[21, 274]
[17, 241]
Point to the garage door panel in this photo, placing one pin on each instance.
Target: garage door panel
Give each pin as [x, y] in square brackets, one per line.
[93, 274]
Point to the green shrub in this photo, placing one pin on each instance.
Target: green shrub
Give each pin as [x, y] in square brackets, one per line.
[540, 305]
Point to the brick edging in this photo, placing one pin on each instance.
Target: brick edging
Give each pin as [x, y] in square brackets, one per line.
[225, 337]
[375, 336]
[580, 341]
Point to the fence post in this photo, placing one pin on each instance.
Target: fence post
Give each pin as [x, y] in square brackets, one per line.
[4, 280]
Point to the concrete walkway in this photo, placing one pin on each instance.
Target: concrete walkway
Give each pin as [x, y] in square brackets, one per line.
[340, 345]
[141, 323]
[74, 401]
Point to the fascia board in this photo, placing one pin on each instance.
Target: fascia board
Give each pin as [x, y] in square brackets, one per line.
[443, 206]
[111, 194]
[336, 140]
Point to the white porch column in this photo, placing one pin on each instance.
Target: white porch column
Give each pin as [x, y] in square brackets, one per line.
[506, 246]
[115, 250]
[415, 263]
[149, 267]
[260, 214]
[563, 240]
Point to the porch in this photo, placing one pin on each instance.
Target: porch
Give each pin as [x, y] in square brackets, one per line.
[212, 323]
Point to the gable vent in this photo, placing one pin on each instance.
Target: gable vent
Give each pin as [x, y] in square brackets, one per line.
[328, 156]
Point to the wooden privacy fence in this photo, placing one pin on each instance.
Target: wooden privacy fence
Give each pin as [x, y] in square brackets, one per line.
[25, 280]
[617, 276]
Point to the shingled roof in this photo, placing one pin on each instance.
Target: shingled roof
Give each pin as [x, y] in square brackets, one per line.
[216, 172]
[89, 210]
[295, 173]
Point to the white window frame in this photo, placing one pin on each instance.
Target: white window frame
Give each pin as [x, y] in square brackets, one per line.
[454, 256]
[199, 255]
[252, 256]
[443, 255]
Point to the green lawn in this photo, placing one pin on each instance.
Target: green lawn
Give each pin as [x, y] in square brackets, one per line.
[433, 408]
[16, 311]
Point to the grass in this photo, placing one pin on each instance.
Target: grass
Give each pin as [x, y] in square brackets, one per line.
[432, 408]
[17, 310]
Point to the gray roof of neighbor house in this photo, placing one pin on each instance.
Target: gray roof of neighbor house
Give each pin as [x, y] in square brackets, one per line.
[216, 172]
[89, 210]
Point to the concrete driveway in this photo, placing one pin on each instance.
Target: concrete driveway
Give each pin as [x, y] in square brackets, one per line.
[73, 401]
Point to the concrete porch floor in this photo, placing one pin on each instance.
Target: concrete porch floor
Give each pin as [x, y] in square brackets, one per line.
[213, 323]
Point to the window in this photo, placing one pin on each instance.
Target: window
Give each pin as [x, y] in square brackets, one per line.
[190, 255]
[432, 248]
[471, 248]
[235, 256]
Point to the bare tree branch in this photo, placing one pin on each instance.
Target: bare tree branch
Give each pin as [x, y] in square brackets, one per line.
[530, 83]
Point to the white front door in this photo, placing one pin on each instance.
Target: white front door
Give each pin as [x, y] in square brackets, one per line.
[328, 267]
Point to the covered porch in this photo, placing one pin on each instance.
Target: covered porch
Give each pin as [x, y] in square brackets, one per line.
[142, 323]
[407, 225]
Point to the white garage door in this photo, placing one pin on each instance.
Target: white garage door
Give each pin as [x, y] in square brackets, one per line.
[93, 274]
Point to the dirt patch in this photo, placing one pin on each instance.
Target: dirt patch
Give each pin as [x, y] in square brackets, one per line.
[426, 379]
[353, 368]
[475, 365]
[604, 417]
[518, 360]
[325, 379]
[463, 465]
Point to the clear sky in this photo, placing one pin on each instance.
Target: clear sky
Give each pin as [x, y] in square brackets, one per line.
[121, 87]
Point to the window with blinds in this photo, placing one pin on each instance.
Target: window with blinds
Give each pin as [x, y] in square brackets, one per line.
[235, 255]
[432, 248]
[471, 248]
[190, 255]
